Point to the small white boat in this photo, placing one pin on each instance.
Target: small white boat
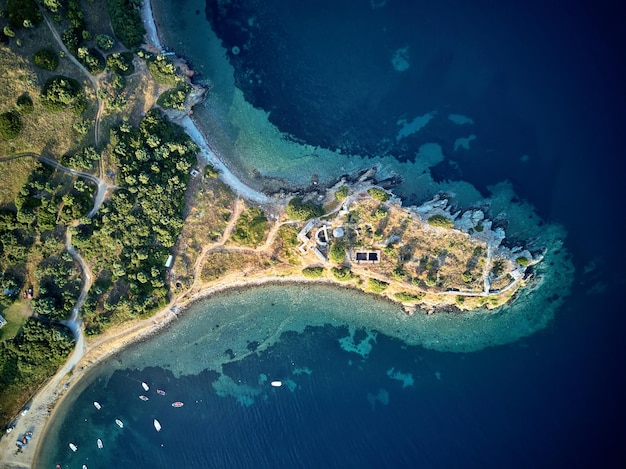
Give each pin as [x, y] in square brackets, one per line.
[277, 384]
[157, 425]
[73, 447]
[143, 398]
[100, 445]
[85, 466]
[97, 405]
[177, 404]
[119, 423]
[145, 386]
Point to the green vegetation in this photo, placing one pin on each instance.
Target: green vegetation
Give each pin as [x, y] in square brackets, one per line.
[28, 360]
[297, 210]
[60, 92]
[91, 59]
[522, 261]
[379, 194]
[121, 62]
[467, 277]
[161, 69]
[129, 240]
[440, 221]
[337, 253]
[10, 125]
[313, 272]
[126, 21]
[343, 274]
[104, 42]
[341, 193]
[23, 13]
[377, 286]
[406, 297]
[24, 104]
[46, 59]
[174, 98]
[498, 267]
[210, 172]
[251, 228]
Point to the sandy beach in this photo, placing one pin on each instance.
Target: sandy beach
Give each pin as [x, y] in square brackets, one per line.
[93, 352]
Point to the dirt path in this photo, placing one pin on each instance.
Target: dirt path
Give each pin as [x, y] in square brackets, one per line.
[94, 80]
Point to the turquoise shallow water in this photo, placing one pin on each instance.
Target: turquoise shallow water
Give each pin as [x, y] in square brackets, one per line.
[537, 384]
[351, 396]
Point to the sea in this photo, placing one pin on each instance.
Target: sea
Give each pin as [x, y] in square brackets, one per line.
[473, 98]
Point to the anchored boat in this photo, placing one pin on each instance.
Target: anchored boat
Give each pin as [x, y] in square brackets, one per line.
[119, 423]
[97, 405]
[73, 447]
[157, 425]
[100, 445]
[177, 404]
[145, 386]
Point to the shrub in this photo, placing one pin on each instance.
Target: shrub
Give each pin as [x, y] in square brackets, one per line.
[522, 261]
[297, 210]
[60, 92]
[174, 98]
[406, 297]
[343, 274]
[121, 62]
[24, 104]
[377, 286]
[498, 267]
[341, 193]
[379, 194]
[250, 228]
[440, 221]
[467, 277]
[10, 125]
[430, 280]
[162, 70]
[104, 42]
[46, 59]
[399, 274]
[210, 171]
[337, 253]
[313, 272]
[91, 59]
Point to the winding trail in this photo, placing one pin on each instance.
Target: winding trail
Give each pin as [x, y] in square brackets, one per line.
[94, 80]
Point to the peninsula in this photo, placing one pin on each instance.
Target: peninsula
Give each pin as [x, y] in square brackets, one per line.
[115, 213]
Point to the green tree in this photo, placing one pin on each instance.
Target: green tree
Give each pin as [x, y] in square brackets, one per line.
[297, 210]
[20, 11]
[377, 286]
[104, 42]
[337, 253]
[379, 194]
[61, 92]
[46, 59]
[10, 125]
[126, 22]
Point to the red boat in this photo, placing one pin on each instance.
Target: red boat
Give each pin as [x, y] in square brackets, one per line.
[161, 392]
[177, 404]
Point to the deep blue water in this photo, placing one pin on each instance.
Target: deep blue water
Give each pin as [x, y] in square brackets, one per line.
[539, 79]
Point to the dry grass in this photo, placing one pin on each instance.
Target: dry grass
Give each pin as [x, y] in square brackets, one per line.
[222, 263]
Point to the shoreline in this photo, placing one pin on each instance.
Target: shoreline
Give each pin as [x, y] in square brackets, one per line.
[46, 401]
[103, 347]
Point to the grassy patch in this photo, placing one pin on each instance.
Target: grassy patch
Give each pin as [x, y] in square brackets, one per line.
[251, 228]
